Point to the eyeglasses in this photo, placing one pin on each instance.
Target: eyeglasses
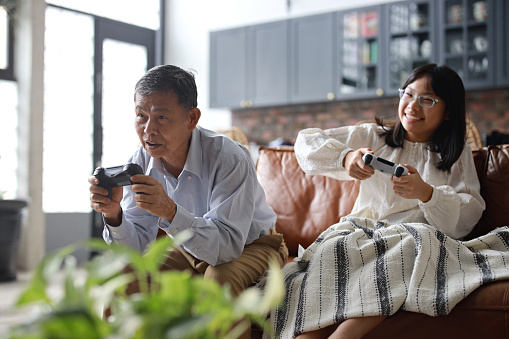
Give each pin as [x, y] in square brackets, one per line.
[423, 100]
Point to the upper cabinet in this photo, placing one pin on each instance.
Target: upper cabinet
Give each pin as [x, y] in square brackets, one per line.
[358, 53]
[312, 58]
[503, 42]
[249, 66]
[410, 38]
[228, 68]
[359, 37]
[467, 40]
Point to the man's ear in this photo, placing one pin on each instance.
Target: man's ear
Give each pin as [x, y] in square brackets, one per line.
[194, 117]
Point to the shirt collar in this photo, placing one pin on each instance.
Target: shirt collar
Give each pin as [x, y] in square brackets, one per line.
[194, 155]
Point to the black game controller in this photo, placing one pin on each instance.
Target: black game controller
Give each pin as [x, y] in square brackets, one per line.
[383, 165]
[116, 176]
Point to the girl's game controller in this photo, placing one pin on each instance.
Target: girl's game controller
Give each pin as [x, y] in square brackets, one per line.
[383, 165]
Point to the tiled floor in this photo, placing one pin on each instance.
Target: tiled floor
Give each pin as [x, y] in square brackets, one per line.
[9, 292]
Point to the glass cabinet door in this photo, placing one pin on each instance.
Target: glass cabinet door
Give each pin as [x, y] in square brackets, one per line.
[359, 52]
[468, 40]
[411, 43]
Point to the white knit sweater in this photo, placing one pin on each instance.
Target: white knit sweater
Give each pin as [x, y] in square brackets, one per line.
[456, 204]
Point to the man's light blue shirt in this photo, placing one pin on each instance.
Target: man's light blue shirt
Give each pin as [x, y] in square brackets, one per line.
[218, 197]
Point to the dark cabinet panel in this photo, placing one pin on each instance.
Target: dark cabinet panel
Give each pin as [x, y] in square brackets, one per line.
[312, 58]
[249, 66]
[359, 33]
[268, 83]
[467, 40]
[228, 67]
[410, 30]
[503, 42]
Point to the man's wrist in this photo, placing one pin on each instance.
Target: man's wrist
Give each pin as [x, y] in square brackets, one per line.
[113, 221]
[172, 212]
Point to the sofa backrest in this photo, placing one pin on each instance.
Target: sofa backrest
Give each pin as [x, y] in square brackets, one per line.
[492, 164]
[306, 205]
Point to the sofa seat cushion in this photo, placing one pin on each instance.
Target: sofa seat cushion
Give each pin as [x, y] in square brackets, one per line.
[483, 314]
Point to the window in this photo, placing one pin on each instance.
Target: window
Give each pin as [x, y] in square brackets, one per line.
[8, 140]
[88, 101]
[6, 44]
[68, 110]
[8, 110]
[139, 13]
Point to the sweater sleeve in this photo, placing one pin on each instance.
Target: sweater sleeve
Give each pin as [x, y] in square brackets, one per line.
[321, 152]
[457, 207]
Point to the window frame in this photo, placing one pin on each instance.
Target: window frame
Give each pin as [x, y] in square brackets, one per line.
[8, 73]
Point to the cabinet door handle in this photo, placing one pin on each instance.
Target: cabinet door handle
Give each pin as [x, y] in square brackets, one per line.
[330, 96]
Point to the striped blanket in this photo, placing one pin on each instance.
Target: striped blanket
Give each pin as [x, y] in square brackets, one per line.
[360, 268]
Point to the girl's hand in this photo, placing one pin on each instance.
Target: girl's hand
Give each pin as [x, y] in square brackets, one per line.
[355, 167]
[412, 186]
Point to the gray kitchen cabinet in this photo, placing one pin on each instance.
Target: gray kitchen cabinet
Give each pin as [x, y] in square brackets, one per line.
[467, 40]
[410, 36]
[249, 66]
[312, 58]
[359, 46]
[503, 42]
[358, 53]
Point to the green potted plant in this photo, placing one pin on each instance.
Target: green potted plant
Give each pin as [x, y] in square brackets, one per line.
[173, 305]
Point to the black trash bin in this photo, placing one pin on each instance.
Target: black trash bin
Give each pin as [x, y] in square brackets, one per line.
[10, 231]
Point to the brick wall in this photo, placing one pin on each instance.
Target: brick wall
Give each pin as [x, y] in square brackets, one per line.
[489, 110]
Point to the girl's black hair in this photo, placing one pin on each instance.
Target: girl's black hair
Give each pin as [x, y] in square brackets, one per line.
[449, 138]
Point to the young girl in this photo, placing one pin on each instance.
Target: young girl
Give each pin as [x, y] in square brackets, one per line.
[397, 249]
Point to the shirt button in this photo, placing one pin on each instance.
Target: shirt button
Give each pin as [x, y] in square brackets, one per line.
[177, 190]
[189, 177]
[195, 249]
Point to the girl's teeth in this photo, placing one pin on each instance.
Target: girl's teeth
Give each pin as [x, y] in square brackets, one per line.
[412, 117]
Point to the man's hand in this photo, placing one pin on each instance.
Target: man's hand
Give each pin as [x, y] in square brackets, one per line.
[412, 186]
[100, 202]
[356, 167]
[150, 196]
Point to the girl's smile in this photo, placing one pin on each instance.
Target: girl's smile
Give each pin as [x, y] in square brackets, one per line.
[420, 122]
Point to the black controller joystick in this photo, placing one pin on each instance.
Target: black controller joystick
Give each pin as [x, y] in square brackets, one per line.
[116, 176]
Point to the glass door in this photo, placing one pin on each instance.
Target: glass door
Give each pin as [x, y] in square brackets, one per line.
[123, 53]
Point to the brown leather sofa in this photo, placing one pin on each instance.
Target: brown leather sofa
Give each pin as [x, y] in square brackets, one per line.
[306, 205]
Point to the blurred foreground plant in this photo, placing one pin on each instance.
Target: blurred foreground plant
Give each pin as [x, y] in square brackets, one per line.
[173, 305]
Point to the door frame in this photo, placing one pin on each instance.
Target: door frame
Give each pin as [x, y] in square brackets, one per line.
[119, 31]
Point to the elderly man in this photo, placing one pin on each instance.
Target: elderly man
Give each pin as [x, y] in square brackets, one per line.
[194, 180]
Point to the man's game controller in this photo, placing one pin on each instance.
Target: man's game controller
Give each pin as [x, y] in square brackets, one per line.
[383, 165]
[116, 176]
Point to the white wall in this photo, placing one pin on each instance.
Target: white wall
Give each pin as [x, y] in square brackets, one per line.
[188, 23]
